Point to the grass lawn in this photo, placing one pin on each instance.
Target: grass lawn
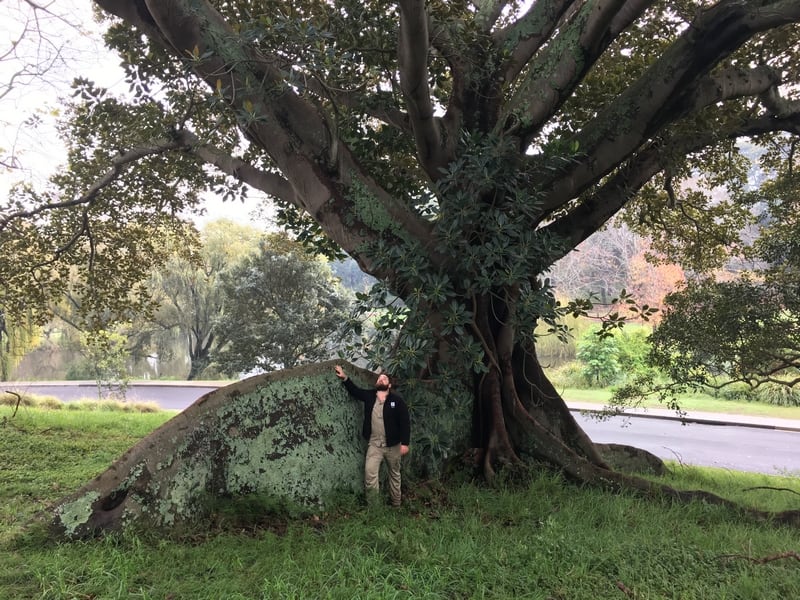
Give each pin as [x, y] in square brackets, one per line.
[695, 402]
[546, 539]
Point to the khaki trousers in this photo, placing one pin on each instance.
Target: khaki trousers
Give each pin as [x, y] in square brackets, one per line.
[372, 466]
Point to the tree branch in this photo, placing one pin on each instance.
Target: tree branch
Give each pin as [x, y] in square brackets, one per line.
[558, 69]
[327, 180]
[730, 84]
[591, 214]
[269, 183]
[412, 52]
[353, 99]
[655, 99]
[525, 36]
[118, 165]
[488, 11]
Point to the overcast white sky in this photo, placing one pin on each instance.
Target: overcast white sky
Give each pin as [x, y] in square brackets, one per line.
[64, 37]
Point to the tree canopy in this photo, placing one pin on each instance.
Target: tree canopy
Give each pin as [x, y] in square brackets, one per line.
[456, 150]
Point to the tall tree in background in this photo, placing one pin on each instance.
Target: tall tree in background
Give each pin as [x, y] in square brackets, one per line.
[282, 309]
[189, 292]
[454, 149]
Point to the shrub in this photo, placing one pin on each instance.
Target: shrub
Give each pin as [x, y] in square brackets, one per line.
[569, 375]
[778, 394]
[735, 392]
[32, 400]
[633, 346]
[599, 357]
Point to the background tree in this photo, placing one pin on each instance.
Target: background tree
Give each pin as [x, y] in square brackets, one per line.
[107, 355]
[189, 291]
[717, 333]
[282, 309]
[455, 150]
[15, 340]
[600, 266]
[743, 325]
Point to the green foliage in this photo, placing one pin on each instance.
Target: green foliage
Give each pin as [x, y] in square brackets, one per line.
[188, 291]
[599, 357]
[778, 394]
[107, 354]
[737, 391]
[570, 375]
[740, 330]
[441, 425]
[609, 358]
[633, 344]
[280, 310]
[16, 338]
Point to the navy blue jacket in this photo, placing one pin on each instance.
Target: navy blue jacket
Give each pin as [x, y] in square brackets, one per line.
[396, 419]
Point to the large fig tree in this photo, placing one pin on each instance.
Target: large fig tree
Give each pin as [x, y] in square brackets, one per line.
[456, 150]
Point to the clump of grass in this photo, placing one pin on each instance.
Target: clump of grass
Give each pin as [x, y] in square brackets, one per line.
[30, 400]
[113, 406]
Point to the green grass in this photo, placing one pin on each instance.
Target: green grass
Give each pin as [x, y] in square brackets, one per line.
[544, 540]
[697, 402]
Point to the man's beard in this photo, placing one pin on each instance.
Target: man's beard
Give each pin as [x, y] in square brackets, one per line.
[382, 387]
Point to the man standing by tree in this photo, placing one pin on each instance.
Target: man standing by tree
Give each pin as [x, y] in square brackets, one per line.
[387, 428]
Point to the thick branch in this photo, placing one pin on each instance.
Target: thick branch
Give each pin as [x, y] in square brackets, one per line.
[731, 83]
[529, 33]
[558, 69]
[488, 12]
[657, 98]
[728, 85]
[413, 63]
[590, 215]
[288, 127]
[269, 183]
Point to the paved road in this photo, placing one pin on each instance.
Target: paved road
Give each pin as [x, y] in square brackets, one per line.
[170, 396]
[758, 448]
[741, 448]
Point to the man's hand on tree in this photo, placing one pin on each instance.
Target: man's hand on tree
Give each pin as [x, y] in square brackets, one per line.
[340, 372]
